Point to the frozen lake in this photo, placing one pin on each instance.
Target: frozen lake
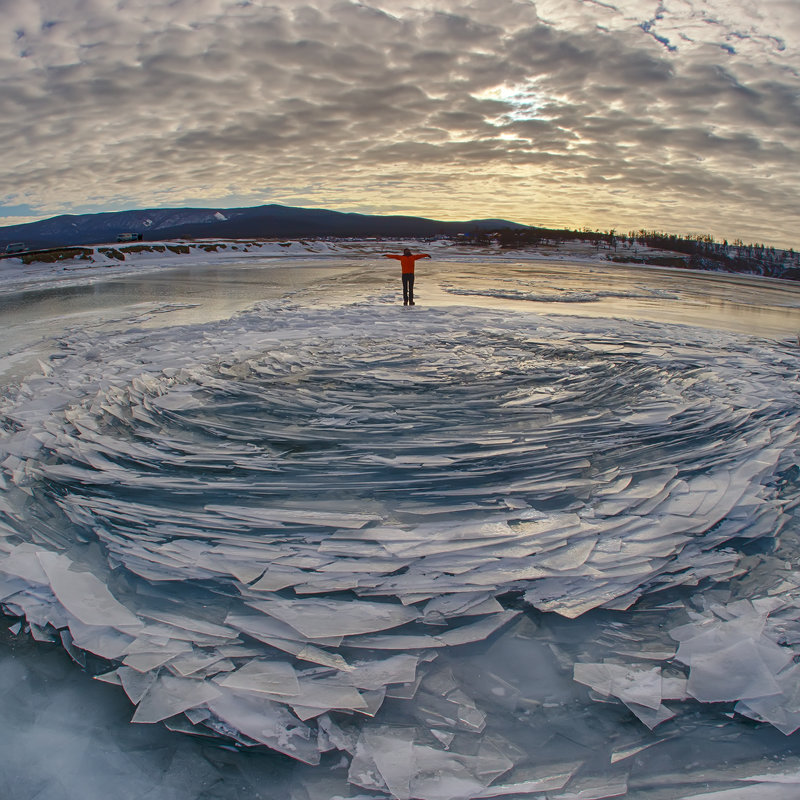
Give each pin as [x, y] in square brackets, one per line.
[534, 537]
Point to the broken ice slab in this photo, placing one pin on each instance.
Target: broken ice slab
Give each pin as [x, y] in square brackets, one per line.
[275, 578]
[464, 634]
[404, 691]
[332, 736]
[267, 677]
[303, 652]
[568, 557]
[215, 562]
[191, 623]
[388, 759]
[781, 710]
[454, 605]
[741, 670]
[170, 695]
[444, 737]
[38, 605]
[374, 700]
[737, 672]
[441, 681]
[571, 597]
[41, 634]
[455, 712]
[161, 632]
[446, 776]
[309, 695]
[324, 618]
[632, 750]
[10, 586]
[194, 663]
[105, 642]
[266, 722]
[372, 566]
[260, 625]
[329, 582]
[136, 684]
[85, 596]
[712, 631]
[320, 696]
[391, 752]
[524, 781]
[22, 562]
[376, 674]
[303, 557]
[147, 661]
[673, 687]
[477, 631]
[177, 399]
[651, 717]
[298, 516]
[629, 684]
[644, 485]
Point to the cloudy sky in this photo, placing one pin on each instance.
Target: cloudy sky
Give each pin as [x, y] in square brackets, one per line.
[681, 115]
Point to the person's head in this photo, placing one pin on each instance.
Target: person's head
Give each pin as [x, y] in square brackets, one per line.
[406, 252]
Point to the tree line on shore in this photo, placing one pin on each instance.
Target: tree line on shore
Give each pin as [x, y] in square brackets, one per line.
[699, 251]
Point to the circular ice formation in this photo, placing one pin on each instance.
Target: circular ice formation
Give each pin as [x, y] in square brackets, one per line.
[263, 520]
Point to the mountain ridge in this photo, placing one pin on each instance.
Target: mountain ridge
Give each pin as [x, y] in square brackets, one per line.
[265, 221]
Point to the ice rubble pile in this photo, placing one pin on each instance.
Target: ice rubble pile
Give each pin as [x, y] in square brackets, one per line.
[744, 652]
[267, 519]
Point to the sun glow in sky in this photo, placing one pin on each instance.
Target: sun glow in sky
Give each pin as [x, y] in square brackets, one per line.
[680, 115]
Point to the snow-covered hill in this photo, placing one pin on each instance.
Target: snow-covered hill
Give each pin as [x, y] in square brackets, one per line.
[260, 221]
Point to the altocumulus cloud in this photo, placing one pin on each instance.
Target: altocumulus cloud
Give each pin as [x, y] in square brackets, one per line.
[682, 115]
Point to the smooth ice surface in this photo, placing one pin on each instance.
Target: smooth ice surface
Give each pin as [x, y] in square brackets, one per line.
[470, 551]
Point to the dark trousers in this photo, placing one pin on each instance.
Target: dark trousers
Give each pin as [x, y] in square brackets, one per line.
[408, 287]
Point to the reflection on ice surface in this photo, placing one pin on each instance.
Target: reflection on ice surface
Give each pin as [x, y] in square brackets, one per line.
[425, 543]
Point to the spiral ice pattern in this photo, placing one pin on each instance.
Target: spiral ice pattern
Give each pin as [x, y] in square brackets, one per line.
[257, 522]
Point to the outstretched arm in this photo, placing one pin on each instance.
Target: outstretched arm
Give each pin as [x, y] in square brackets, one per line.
[391, 255]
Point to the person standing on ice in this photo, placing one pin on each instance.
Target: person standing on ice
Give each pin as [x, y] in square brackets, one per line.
[407, 261]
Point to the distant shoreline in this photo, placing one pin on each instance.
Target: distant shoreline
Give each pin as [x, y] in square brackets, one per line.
[54, 264]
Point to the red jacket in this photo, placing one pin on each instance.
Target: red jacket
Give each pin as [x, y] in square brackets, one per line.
[407, 262]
